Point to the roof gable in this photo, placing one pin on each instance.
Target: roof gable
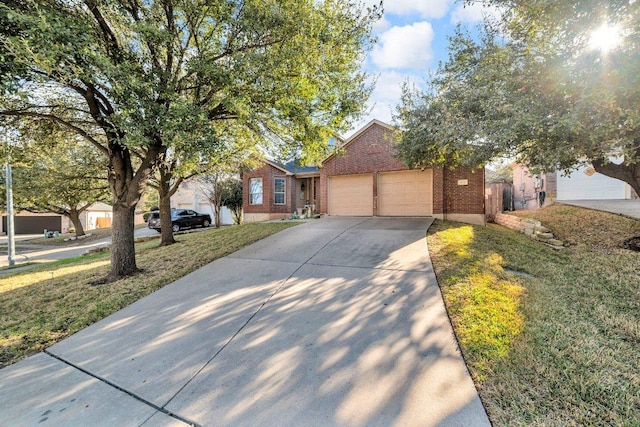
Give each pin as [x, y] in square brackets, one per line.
[278, 166]
[359, 133]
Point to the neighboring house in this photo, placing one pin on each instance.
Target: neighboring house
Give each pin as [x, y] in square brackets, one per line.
[363, 178]
[191, 195]
[34, 223]
[587, 184]
[531, 191]
[98, 215]
[582, 184]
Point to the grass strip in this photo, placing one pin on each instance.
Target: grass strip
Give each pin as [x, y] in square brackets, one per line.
[550, 337]
[47, 303]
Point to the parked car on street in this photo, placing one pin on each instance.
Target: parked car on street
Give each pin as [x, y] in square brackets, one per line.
[180, 218]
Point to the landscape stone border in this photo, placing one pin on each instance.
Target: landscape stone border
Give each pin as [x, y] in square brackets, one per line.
[531, 227]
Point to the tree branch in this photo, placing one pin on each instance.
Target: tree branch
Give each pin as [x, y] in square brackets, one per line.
[56, 119]
[108, 35]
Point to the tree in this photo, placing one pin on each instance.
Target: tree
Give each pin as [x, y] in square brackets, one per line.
[231, 197]
[212, 185]
[224, 168]
[166, 182]
[63, 178]
[133, 78]
[499, 173]
[234, 149]
[534, 86]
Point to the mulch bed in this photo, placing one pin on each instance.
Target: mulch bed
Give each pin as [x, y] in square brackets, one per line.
[632, 243]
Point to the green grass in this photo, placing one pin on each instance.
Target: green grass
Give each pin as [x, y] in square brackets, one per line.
[47, 303]
[550, 337]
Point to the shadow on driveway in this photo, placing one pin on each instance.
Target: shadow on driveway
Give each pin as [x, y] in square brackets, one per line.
[336, 322]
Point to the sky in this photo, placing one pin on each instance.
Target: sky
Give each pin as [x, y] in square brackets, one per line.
[412, 38]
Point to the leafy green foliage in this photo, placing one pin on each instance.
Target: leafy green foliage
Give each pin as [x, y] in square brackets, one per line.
[499, 173]
[145, 82]
[534, 87]
[64, 178]
[231, 197]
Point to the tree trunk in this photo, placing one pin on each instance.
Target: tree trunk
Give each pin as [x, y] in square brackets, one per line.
[166, 232]
[127, 188]
[123, 254]
[217, 214]
[627, 173]
[164, 193]
[74, 216]
[237, 216]
[216, 198]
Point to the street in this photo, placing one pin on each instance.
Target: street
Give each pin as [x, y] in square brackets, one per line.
[26, 252]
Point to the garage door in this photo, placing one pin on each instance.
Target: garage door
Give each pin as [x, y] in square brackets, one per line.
[34, 224]
[351, 195]
[407, 193]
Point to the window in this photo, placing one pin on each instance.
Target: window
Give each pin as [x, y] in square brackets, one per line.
[279, 191]
[255, 191]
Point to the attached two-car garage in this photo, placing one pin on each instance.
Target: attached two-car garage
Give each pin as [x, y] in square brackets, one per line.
[399, 193]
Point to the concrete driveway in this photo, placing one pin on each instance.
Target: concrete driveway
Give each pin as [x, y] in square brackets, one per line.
[337, 322]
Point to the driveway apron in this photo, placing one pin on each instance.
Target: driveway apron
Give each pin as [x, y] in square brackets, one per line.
[628, 207]
[335, 322]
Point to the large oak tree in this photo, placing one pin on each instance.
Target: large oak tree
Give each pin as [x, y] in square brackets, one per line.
[552, 83]
[132, 77]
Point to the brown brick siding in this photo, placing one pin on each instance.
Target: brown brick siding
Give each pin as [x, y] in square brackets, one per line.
[369, 152]
[438, 195]
[267, 173]
[463, 199]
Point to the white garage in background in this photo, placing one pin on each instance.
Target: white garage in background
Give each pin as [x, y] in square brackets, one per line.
[351, 195]
[405, 193]
[586, 184]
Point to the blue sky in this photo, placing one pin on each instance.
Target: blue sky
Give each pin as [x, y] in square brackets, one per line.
[412, 38]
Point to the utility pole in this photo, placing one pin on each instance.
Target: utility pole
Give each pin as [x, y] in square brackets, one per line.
[11, 246]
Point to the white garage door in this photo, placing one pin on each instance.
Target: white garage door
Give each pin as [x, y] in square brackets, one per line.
[351, 195]
[581, 186]
[406, 193]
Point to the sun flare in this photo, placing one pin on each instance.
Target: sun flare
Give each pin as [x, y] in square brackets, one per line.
[605, 38]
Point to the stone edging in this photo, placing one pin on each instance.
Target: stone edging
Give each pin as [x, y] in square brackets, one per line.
[531, 227]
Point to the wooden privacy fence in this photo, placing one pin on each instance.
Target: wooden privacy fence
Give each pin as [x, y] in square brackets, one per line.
[498, 198]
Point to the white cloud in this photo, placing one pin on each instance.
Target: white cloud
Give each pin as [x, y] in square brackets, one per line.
[474, 12]
[385, 97]
[424, 8]
[404, 47]
[382, 25]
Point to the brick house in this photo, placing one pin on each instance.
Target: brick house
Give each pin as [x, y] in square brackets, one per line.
[363, 178]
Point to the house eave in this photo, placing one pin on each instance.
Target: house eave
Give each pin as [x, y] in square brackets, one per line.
[307, 175]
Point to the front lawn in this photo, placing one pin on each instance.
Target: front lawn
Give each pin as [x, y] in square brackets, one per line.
[550, 337]
[45, 304]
